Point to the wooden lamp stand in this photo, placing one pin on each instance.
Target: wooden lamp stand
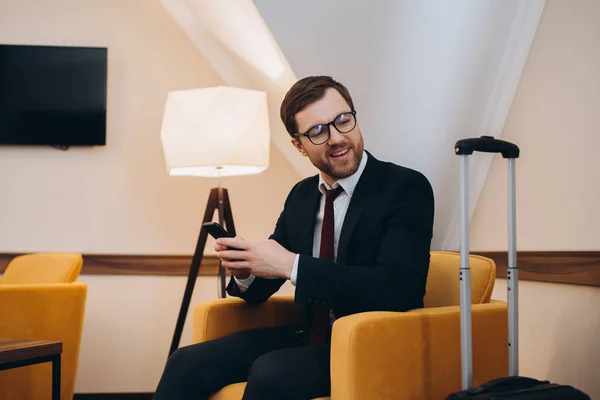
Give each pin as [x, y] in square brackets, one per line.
[218, 199]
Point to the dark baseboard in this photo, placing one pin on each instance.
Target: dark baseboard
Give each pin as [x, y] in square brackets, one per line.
[113, 396]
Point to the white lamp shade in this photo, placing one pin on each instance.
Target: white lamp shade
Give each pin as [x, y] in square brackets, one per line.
[216, 131]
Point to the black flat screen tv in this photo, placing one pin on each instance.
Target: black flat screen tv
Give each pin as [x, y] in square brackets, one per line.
[53, 95]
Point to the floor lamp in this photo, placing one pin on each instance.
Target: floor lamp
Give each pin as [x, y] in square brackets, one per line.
[213, 132]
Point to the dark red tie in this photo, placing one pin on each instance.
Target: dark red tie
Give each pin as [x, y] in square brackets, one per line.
[320, 321]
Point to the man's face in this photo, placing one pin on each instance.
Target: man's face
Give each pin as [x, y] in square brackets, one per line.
[339, 157]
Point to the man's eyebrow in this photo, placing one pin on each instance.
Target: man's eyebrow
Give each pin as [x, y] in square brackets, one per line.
[323, 123]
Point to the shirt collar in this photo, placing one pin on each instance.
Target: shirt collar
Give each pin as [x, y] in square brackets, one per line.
[349, 183]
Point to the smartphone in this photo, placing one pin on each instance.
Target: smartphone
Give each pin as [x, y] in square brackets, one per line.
[215, 230]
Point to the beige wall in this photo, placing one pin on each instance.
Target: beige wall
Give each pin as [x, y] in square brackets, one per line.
[555, 119]
[119, 199]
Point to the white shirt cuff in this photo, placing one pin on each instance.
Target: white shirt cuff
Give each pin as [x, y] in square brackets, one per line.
[294, 274]
[244, 284]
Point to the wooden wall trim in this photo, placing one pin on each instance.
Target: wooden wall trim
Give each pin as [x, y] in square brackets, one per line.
[108, 264]
[572, 267]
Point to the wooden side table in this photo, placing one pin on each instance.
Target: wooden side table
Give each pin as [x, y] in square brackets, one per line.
[16, 353]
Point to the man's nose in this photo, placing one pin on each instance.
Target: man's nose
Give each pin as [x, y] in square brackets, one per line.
[335, 136]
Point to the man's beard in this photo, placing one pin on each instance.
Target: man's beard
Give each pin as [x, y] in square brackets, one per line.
[341, 171]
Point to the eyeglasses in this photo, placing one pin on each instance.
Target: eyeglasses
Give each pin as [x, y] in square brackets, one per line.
[320, 134]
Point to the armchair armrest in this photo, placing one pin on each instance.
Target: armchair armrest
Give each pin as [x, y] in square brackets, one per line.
[416, 354]
[218, 318]
[42, 312]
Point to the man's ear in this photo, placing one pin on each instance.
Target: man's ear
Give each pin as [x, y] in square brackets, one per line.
[299, 147]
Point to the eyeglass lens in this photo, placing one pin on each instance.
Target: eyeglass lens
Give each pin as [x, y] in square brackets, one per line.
[344, 123]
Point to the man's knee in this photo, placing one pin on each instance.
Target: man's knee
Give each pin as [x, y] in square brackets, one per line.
[186, 359]
[265, 375]
[179, 358]
[185, 374]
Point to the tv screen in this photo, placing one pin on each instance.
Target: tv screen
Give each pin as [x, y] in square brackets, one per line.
[52, 95]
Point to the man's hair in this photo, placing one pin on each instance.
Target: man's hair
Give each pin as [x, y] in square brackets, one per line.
[305, 92]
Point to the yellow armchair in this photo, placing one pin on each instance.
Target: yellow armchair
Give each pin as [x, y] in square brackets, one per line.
[389, 355]
[40, 298]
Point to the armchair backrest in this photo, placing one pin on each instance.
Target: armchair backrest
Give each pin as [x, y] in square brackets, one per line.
[443, 281]
[38, 268]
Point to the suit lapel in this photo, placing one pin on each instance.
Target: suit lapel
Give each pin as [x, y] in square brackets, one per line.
[365, 191]
[307, 218]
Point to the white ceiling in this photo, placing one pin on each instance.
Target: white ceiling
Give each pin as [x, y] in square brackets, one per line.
[423, 74]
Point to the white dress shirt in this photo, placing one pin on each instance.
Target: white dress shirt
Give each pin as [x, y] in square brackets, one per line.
[340, 206]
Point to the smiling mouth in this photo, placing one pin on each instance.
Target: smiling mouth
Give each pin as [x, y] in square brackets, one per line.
[340, 153]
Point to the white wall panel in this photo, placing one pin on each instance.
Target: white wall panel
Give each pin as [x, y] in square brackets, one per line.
[423, 74]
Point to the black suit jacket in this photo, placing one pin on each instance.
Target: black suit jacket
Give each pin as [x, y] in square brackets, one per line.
[383, 251]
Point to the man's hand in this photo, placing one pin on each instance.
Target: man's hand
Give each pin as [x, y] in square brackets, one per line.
[267, 259]
[241, 273]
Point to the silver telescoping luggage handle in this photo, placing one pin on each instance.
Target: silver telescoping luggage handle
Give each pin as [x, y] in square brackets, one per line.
[510, 151]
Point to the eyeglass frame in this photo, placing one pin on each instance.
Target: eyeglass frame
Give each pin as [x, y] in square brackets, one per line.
[353, 112]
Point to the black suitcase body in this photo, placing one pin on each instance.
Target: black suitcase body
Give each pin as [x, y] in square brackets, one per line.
[520, 388]
[512, 386]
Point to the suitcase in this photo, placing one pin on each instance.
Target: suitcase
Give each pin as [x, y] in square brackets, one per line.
[512, 386]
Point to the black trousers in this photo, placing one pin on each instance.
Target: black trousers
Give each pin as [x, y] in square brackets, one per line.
[277, 363]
